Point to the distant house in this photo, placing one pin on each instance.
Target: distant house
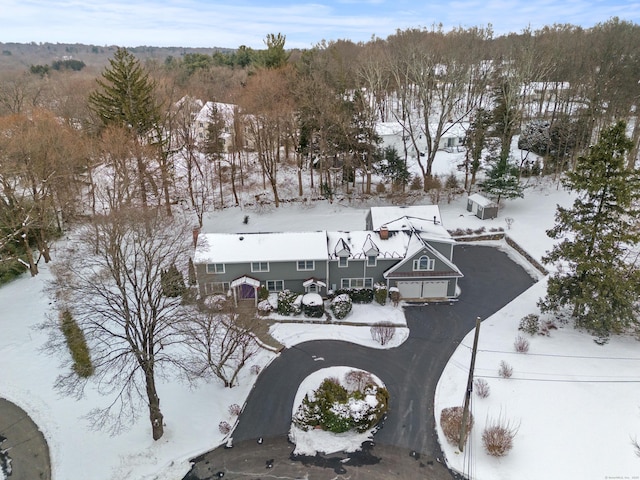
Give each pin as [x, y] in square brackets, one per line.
[481, 207]
[230, 115]
[408, 249]
[393, 135]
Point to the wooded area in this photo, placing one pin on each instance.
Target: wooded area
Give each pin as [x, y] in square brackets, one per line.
[77, 142]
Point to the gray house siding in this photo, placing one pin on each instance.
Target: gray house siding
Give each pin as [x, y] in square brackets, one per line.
[283, 271]
[444, 248]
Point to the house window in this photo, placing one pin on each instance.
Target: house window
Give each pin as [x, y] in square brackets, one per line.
[259, 266]
[343, 261]
[306, 265]
[312, 288]
[212, 288]
[356, 283]
[372, 260]
[424, 263]
[215, 267]
[275, 285]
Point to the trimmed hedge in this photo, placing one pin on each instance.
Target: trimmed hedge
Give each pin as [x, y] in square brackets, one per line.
[358, 295]
[77, 345]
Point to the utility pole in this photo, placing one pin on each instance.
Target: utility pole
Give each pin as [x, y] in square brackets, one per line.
[467, 397]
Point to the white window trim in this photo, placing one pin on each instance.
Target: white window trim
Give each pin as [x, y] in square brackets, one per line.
[346, 262]
[375, 260]
[210, 290]
[431, 264]
[275, 285]
[305, 269]
[215, 268]
[347, 283]
[259, 269]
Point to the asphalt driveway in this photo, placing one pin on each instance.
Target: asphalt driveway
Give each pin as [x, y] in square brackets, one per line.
[410, 371]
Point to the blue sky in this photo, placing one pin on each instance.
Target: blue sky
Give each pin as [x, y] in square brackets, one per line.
[212, 23]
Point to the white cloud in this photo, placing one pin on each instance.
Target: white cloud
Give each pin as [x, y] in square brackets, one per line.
[247, 22]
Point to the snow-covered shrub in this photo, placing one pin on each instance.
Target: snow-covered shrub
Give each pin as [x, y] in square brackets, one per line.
[234, 409]
[224, 427]
[216, 302]
[383, 332]
[265, 307]
[505, 370]
[286, 303]
[312, 305]
[530, 324]
[521, 344]
[451, 421]
[333, 408]
[341, 306]
[498, 436]
[358, 295]
[255, 369]
[380, 293]
[394, 294]
[546, 327]
[481, 387]
[416, 183]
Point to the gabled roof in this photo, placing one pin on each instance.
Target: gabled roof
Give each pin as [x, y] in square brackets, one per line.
[361, 243]
[415, 246]
[422, 218]
[480, 200]
[225, 109]
[263, 247]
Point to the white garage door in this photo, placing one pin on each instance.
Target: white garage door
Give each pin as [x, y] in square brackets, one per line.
[423, 289]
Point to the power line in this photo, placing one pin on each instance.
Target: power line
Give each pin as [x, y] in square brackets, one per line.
[587, 357]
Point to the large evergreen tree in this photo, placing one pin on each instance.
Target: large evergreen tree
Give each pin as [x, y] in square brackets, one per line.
[126, 99]
[597, 278]
[126, 95]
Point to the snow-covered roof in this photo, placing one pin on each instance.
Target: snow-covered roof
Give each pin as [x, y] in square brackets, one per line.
[423, 218]
[264, 247]
[360, 242]
[480, 200]
[225, 109]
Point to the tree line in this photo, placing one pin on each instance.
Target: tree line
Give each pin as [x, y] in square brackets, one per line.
[118, 150]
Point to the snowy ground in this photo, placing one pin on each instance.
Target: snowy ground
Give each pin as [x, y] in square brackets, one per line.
[576, 403]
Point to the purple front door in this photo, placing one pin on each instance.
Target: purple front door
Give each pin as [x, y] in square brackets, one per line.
[247, 291]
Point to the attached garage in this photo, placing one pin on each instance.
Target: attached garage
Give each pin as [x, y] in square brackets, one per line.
[423, 288]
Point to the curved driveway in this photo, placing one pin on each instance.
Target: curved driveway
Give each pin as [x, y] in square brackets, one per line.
[410, 371]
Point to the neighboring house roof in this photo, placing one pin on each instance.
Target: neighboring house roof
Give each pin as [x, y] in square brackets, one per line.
[264, 247]
[480, 200]
[361, 243]
[225, 109]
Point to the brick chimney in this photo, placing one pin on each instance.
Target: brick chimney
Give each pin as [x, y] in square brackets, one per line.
[384, 232]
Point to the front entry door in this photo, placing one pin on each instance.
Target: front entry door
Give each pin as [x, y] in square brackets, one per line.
[247, 291]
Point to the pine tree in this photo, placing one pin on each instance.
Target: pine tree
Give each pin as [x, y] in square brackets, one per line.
[502, 181]
[598, 280]
[126, 100]
[126, 95]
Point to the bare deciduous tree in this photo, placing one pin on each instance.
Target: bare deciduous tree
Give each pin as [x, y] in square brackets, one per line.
[221, 344]
[110, 280]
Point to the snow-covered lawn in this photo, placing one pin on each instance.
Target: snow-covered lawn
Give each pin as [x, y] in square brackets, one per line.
[571, 426]
[577, 404]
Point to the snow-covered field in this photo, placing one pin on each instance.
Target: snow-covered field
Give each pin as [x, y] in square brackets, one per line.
[577, 403]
